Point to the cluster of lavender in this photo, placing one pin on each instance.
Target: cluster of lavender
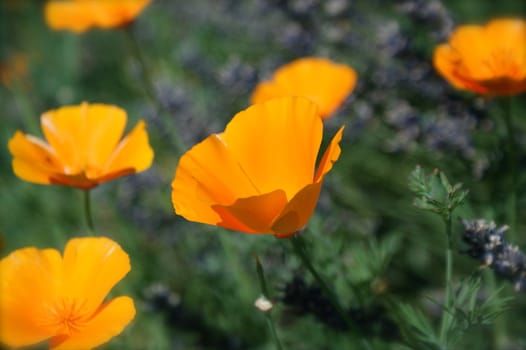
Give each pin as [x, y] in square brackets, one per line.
[391, 57]
[305, 299]
[487, 243]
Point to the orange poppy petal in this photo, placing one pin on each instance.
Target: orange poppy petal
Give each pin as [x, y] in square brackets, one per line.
[490, 59]
[83, 136]
[472, 46]
[297, 212]
[267, 90]
[33, 160]
[79, 16]
[447, 62]
[28, 283]
[207, 175]
[253, 214]
[110, 320]
[331, 155]
[105, 125]
[116, 13]
[508, 36]
[72, 15]
[324, 82]
[133, 152]
[92, 266]
[276, 143]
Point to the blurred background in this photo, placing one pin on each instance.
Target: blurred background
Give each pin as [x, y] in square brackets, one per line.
[187, 67]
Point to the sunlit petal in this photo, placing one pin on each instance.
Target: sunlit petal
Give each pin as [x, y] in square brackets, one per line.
[109, 320]
[506, 34]
[489, 59]
[295, 215]
[276, 143]
[208, 174]
[83, 136]
[33, 160]
[133, 152]
[252, 214]
[79, 16]
[84, 147]
[258, 175]
[447, 62]
[470, 44]
[322, 81]
[58, 16]
[45, 296]
[331, 155]
[92, 266]
[29, 281]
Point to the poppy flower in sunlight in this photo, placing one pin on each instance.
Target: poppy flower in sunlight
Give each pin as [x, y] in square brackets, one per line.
[489, 60]
[324, 82]
[258, 176]
[46, 296]
[82, 149]
[81, 15]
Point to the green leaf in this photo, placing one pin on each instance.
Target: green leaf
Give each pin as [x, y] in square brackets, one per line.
[435, 193]
[417, 330]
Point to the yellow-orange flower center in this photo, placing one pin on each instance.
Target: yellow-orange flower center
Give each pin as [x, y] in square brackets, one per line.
[67, 316]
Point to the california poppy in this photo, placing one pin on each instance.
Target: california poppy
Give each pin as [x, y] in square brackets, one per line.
[258, 176]
[82, 149]
[489, 60]
[324, 82]
[81, 15]
[46, 296]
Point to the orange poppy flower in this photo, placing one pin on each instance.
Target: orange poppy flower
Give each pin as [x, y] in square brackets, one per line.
[81, 15]
[324, 82]
[489, 60]
[258, 176]
[46, 296]
[82, 149]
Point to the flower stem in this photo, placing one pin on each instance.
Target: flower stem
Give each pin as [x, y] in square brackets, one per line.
[499, 325]
[235, 263]
[149, 87]
[264, 291]
[29, 118]
[87, 212]
[446, 314]
[300, 249]
[512, 165]
[145, 72]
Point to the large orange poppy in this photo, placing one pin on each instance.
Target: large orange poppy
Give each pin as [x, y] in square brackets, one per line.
[489, 60]
[83, 147]
[324, 82]
[81, 15]
[258, 176]
[46, 296]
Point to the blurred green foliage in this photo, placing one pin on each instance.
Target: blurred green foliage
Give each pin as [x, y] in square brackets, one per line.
[195, 285]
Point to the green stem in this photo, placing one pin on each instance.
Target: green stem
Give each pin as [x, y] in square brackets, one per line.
[264, 291]
[246, 288]
[299, 247]
[149, 87]
[446, 314]
[145, 71]
[87, 212]
[512, 164]
[499, 325]
[29, 118]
